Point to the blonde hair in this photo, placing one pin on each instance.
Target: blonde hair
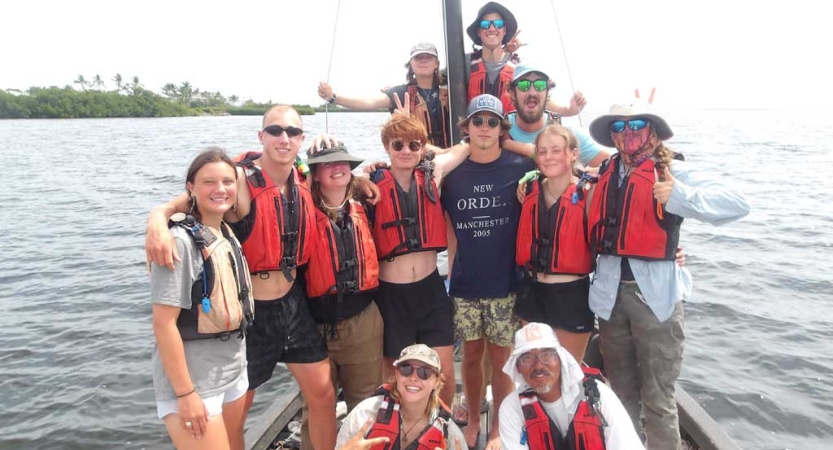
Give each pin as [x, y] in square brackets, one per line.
[559, 130]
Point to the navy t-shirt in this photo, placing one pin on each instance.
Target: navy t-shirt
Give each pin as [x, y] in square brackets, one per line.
[484, 211]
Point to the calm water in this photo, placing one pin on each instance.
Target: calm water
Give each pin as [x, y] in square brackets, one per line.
[76, 331]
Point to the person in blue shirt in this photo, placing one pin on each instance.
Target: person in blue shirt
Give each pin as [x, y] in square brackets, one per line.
[529, 92]
[644, 192]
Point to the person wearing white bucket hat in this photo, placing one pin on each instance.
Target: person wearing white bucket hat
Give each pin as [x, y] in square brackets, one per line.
[638, 205]
[557, 405]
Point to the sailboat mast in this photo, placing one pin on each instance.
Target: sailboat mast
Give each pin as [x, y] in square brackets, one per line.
[455, 63]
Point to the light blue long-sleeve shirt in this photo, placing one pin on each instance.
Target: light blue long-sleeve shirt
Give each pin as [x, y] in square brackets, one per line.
[695, 195]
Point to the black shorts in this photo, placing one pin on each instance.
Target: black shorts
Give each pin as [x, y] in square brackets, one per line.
[283, 331]
[419, 312]
[559, 305]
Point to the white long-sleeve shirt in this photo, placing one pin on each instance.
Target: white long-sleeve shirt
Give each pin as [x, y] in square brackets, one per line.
[618, 435]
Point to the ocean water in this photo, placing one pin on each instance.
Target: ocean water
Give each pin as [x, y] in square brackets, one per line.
[75, 323]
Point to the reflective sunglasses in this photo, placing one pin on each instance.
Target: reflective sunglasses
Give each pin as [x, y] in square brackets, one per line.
[528, 359]
[414, 146]
[277, 130]
[424, 373]
[498, 23]
[478, 121]
[539, 85]
[633, 124]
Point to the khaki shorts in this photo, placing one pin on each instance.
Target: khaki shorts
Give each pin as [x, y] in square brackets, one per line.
[490, 318]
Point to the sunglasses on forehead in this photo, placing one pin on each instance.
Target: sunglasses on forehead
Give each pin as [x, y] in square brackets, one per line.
[485, 24]
[478, 121]
[539, 85]
[277, 130]
[422, 372]
[414, 146]
[634, 124]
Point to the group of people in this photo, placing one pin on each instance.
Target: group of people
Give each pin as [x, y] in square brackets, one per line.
[335, 273]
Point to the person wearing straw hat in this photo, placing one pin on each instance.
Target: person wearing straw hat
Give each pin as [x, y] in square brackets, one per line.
[529, 92]
[557, 405]
[408, 411]
[424, 95]
[490, 66]
[343, 276]
[643, 194]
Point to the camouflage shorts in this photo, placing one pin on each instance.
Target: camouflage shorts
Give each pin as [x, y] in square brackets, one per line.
[492, 318]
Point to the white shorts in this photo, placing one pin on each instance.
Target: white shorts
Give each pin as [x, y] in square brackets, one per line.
[214, 404]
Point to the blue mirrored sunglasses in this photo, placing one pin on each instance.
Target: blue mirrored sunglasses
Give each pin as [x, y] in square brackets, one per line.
[633, 124]
[498, 23]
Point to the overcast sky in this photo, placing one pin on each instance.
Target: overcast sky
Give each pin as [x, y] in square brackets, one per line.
[708, 53]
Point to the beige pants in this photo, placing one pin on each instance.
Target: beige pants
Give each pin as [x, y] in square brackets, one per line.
[642, 358]
[355, 361]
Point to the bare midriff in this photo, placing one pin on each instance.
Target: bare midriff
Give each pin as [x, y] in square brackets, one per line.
[408, 268]
[550, 278]
[270, 285]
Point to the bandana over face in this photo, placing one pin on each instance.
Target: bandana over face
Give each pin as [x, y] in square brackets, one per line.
[636, 146]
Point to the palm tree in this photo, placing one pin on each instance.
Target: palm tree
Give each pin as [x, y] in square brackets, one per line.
[233, 99]
[81, 81]
[118, 80]
[185, 92]
[135, 85]
[170, 91]
[98, 82]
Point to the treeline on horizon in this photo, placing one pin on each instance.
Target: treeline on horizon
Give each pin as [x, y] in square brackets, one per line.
[92, 99]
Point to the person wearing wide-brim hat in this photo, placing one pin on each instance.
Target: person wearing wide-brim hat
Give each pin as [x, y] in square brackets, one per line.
[342, 301]
[638, 290]
[493, 33]
[424, 95]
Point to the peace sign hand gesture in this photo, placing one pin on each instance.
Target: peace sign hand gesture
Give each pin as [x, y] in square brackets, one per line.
[400, 108]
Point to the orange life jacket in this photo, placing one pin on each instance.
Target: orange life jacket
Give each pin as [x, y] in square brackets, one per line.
[408, 223]
[221, 298]
[388, 424]
[586, 431]
[479, 81]
[282, 236]
[627, 221]
[559, 247]
[345, 258]
[439, 135]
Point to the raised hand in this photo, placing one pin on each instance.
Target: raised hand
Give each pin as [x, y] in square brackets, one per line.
[400, 108]
[663, 186]
[325, 91]
[514, 44]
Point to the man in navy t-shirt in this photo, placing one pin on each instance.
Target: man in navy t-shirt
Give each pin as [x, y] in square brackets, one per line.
[479, 197]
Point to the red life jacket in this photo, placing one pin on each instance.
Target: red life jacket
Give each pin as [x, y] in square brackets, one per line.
[627, 221]
[479, 81]
[586, 431]
[559, 247]
[281, 237]
[439, 132]
[388, 424]
[410, 223]
[221, 298]
[345, 258]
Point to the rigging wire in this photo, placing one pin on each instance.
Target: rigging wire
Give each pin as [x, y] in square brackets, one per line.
[564, 52]
[329, 69]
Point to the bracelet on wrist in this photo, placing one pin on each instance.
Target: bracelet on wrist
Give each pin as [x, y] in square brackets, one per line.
[332, 99]
[188, 393]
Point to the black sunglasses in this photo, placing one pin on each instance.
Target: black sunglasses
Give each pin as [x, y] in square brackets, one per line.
[414, 146]
[424, 373]
[478, 121]
[277, 130]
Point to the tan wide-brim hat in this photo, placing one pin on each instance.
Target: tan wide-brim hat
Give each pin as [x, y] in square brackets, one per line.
[600, 127]
[421, 353]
